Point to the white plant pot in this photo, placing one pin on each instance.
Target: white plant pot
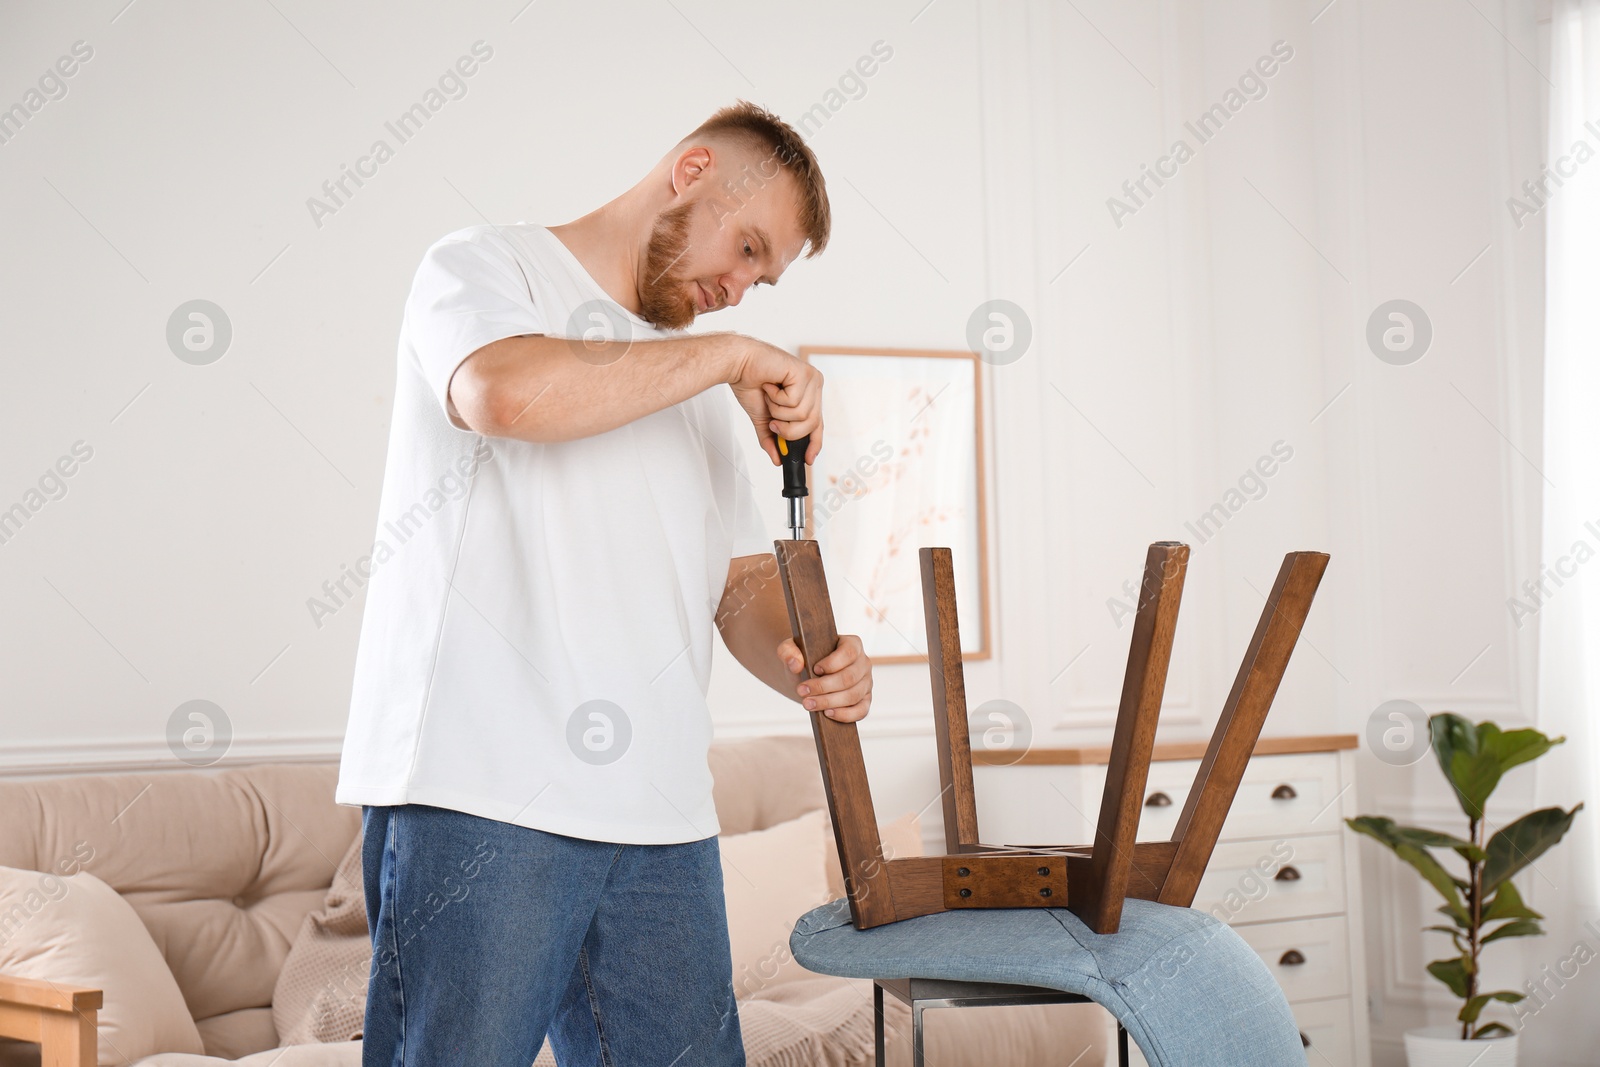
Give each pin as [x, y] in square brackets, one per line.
[1441, 1046]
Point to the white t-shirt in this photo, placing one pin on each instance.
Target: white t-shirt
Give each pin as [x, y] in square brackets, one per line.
[536, 643]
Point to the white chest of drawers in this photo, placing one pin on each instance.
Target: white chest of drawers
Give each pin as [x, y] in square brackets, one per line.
[1283, 873]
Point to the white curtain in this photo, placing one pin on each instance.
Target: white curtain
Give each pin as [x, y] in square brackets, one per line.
[1569, 621]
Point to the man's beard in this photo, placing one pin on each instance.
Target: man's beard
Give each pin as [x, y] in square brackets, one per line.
[665, 300]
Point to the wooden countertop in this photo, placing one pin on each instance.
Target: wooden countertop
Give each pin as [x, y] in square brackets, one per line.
[1170, 750]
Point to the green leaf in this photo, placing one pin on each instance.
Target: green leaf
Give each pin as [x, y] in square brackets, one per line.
[1453, 973]
[1424, 838]
[1517, 746]
[1515, 928]
[1507, 904]
[1474, 1007]
[1524, 841]
[1402, 840]
[1474, 777]
[1489, 1030]
[1474, 756]
[1470, 769]
[1449, 734]
[1457, 915]
[1455, 935]
[1436, 875]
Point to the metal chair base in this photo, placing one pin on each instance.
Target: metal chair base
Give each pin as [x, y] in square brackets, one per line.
[921, 993]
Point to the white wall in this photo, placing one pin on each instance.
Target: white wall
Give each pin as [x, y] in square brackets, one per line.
[1226, 314]
[180, 561]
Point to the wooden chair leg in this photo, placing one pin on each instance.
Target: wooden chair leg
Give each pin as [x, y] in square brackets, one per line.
[1096, 885]
[949, 701]
[844, 771]
[1239, 727]
[69, 1039]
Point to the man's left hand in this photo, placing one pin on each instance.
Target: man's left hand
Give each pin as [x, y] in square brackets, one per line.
[841, 683]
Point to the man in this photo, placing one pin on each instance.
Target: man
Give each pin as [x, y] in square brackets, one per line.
[564, 517]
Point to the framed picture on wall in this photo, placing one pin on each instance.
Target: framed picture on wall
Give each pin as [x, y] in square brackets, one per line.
[901, 469]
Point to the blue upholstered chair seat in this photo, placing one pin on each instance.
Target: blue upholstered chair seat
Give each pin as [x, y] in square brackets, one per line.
[1186, 986]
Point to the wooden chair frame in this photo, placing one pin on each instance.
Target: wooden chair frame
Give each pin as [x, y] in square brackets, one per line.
[61, 1020]
[1090, 880]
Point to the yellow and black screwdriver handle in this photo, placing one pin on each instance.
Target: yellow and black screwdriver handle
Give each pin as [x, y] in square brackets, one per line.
[792, 456]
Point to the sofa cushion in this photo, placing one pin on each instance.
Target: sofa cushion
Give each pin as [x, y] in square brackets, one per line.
[1008, 1035]
[762, 781]
[78, 931]
[236, 1034]
[770, 878]
[221, 867]
[322, 990]
[345, 1054]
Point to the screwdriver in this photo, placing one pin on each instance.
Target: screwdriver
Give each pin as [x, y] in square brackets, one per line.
[792, 454]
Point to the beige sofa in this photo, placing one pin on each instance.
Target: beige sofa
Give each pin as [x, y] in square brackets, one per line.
[222, 868]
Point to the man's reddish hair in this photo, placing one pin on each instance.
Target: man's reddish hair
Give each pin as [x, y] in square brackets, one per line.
[756, 125]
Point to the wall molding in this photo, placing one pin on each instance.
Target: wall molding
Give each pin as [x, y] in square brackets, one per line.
[59, 758]
[1507, 710]
[872, 727]
[1104, 716]
[142, 756]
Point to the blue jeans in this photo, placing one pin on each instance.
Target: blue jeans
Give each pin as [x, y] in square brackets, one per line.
[487, 936]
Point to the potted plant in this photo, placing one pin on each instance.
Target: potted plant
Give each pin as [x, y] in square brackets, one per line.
[1473, 757]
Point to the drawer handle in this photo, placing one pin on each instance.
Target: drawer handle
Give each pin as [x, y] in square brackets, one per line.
[1284, 792]
[1288, 874]
[1305, 1042]
[1292, 958]
[1158, 800]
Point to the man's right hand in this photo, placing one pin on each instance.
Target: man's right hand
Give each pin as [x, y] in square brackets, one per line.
[781, 393]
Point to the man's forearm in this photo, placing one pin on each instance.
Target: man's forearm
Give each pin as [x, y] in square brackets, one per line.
[537, 388]
[754, 620]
